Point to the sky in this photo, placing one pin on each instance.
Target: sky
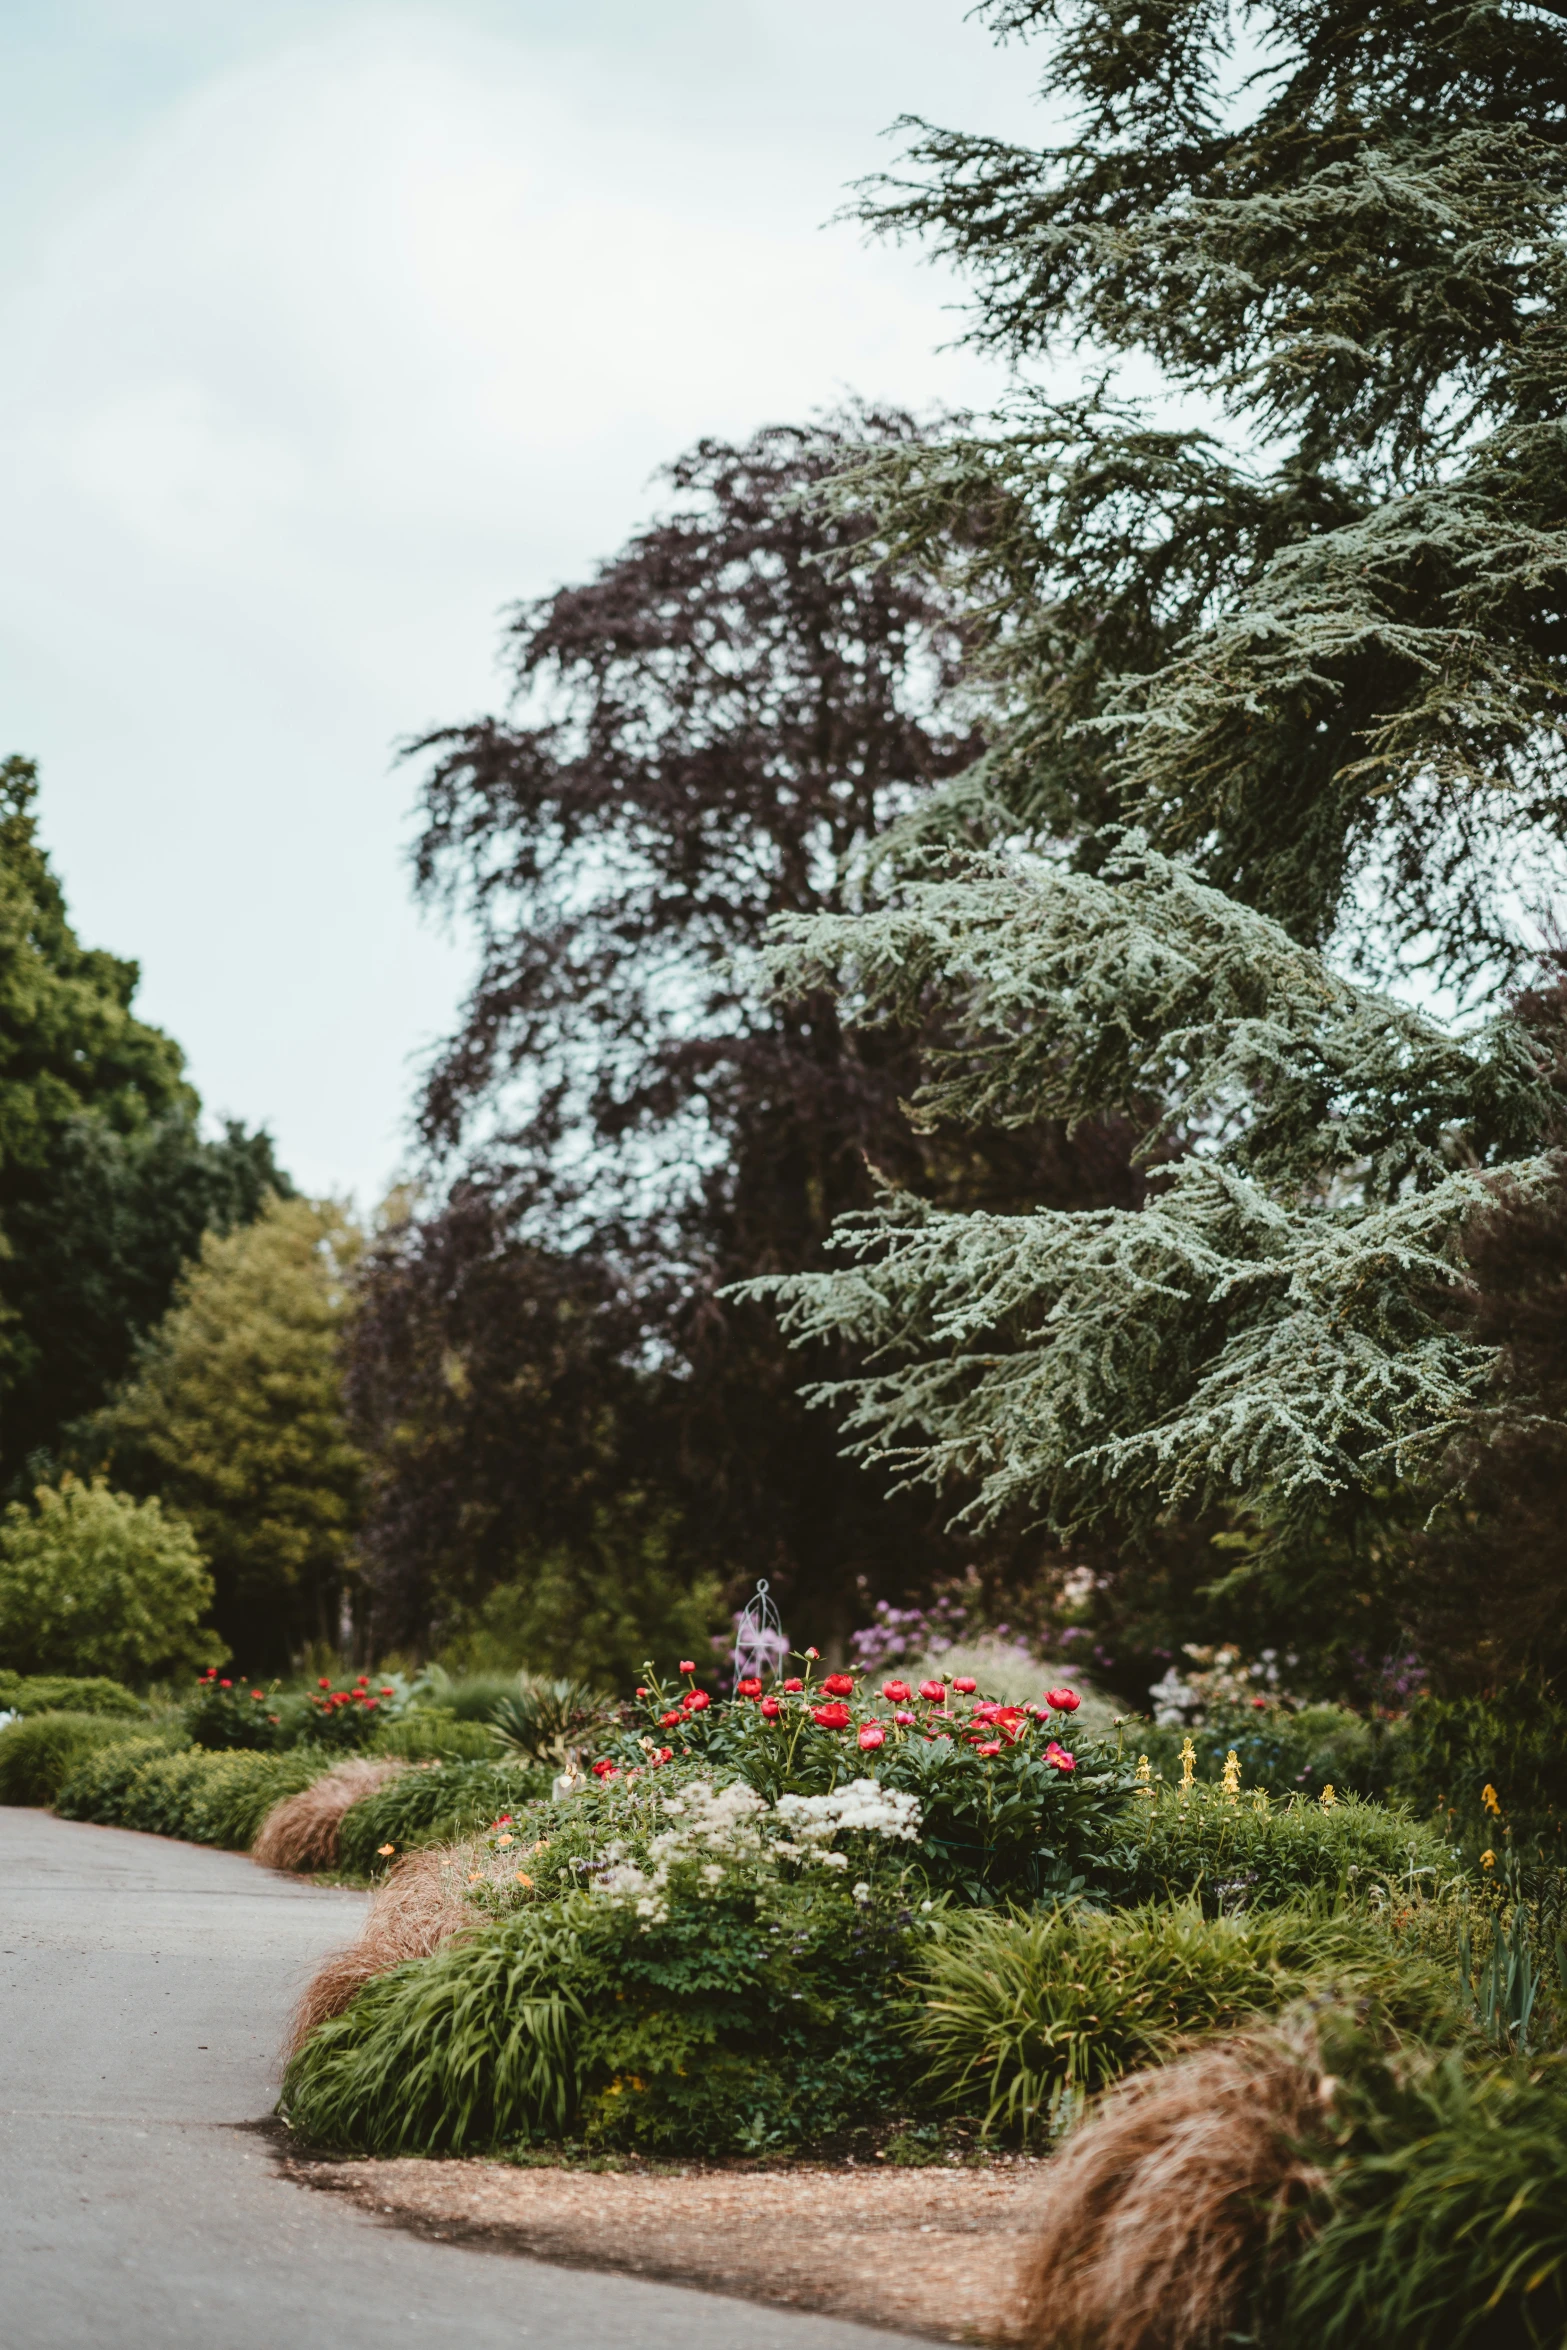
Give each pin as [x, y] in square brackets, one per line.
[329, 331]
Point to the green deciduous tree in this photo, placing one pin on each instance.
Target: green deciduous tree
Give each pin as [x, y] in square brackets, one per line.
[235, 1416]
[106, 1184]
[1277, 729]
[93, 1581]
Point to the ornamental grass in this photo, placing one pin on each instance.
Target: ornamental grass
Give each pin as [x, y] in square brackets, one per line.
[301, 1832]
[1024, 2018]
[417, 1911]
[1159, 2216]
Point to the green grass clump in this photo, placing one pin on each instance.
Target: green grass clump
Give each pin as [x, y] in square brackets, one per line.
[56, 1693]
[1023, 2018]
[436, 1806]
[1444, 2220]
[41, 1752]
[192, 1793]
[1254, 1853]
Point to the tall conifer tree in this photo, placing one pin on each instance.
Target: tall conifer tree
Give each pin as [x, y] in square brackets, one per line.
[1275, 767]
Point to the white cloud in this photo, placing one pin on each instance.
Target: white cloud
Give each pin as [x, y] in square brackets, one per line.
[360, 341]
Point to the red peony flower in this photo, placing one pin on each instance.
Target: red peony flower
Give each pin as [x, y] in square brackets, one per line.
[668, 1721]
[696, 1701]
[259, 1695]
[986, 1745]
[641, 1693]
[369, 1704]
[665, 1754]
[936, 1691]
[225, 1684]
[503, 1822]
[1065, 1701]
[794, 1687]
[966, 1687]
[873, 1735]
[323, 1684]
[686, 1665]
[1260, 1704]
[831, 1717]
[606, 1769]
[1059, 1756]
[896, 1692]
[748, 1688]
[814, 1654]
[839, 1685]
[770, 1709]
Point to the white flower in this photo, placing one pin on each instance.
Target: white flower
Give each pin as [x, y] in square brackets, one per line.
[863, 1804]
[862, 1891]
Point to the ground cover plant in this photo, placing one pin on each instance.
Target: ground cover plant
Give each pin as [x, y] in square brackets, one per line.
[437, 1805]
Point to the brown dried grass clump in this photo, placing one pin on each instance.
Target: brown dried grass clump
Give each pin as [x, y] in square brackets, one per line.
[419, 1907]
[301, 1831]
[1159, 2212]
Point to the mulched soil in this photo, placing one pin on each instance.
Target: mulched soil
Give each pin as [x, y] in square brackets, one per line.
[929, 2251]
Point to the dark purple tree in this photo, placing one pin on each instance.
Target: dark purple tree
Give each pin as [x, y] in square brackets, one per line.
[702, 736]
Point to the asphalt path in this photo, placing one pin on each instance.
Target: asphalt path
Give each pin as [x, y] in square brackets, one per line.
[144, 1987]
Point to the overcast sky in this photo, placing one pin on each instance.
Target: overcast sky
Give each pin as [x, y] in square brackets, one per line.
[329, 329]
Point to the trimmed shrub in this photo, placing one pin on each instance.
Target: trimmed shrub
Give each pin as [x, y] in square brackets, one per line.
[439, 1805]
[429, 1733]
[96, 1582]
[204, 1798]
[1024, 2018]
[301, 1832]
[39, 1753]
[63, 1693]
[1253, 1853]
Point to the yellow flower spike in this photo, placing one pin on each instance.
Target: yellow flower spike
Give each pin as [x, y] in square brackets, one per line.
[1328, 1798]
[1143, 1776]
[1232, 1776]
[1491, 1800]
[1188, 1765]
[1488, 1860]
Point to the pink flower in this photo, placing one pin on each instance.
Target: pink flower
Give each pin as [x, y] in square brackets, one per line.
[986, 1745]
[686, 1665]
[1059, 1757]
[936, 1691]
[896, 1692]
[873, 1735]
[1260, 1704]
[814, 1654]
[1065, 1701]
[794, 1687]
[965, 1687]
[831, 1717]
[905, 1719]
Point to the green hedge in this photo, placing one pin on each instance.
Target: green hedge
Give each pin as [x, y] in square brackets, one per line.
[435, 1806]
[40, 1753]
[204, 1798]
[1257, 1854]
[1285, 1753]
[55, 1693]
[435, 1734]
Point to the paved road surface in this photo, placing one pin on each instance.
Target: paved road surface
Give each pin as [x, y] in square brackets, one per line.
[143, 1990]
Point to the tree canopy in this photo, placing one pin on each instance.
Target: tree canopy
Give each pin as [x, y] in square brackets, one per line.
[235, 1416]
[1271, 795]
[704, 733]
[106, 1183]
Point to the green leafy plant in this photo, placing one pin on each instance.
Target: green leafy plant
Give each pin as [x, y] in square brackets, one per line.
[223, 1713]
[544, 1721]
[1247, 1851]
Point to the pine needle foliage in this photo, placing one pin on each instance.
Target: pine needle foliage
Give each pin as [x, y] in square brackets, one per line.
[1276, 729]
